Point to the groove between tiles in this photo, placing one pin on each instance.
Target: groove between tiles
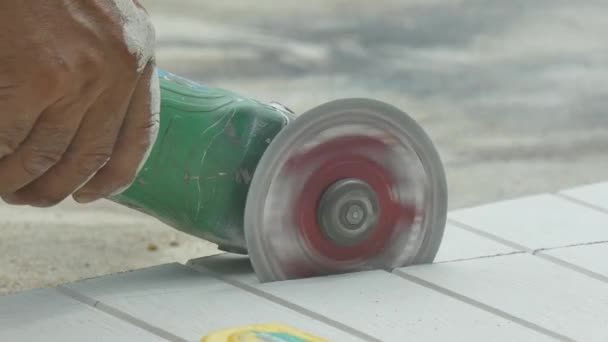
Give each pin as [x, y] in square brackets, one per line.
[573, 267]
[583, 244]
[491, 236]
[123, 316]
[277, 300]
[482, 306]
[536, 252]
[581, 202]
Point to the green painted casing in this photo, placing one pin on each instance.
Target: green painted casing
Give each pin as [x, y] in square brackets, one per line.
[198, 173]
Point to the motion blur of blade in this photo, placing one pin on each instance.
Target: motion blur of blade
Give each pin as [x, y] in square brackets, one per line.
[350, 185]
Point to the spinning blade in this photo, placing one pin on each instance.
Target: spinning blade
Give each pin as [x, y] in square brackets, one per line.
[351, 185]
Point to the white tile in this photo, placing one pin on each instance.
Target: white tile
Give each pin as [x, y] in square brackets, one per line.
[46, 315]
[191, 304]
[460, 244]
[594, 194]
[591, 257]
[543, 221]
[530, 288]
[383, 305]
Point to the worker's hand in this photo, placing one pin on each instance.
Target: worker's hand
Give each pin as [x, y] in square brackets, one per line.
[79, 98]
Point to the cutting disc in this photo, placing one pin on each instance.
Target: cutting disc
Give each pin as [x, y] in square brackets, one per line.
[351, 185]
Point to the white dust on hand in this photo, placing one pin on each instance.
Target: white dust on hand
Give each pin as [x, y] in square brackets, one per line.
[138, 31]
[155, 103]
[155, 112]
[140, 38]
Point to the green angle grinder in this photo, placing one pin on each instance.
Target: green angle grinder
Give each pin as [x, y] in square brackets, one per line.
[351, 185]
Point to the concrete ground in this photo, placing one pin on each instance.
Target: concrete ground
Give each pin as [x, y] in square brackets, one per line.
[513, 93]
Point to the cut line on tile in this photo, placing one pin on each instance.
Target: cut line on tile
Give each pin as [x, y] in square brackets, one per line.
[491, 236]
[480, 257]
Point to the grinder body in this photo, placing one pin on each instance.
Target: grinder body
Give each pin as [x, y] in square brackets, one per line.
[198, 173]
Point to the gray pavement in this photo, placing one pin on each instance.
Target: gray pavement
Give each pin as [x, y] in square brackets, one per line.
[513, 93]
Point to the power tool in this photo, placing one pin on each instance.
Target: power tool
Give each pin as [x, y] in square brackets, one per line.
[351, 185]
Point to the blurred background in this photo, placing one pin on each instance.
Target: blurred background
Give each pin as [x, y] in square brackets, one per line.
[513, 93]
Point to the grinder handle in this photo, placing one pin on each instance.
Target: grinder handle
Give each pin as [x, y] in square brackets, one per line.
[197, 175]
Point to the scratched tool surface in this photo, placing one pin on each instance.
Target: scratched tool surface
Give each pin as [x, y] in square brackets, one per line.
[528, 269]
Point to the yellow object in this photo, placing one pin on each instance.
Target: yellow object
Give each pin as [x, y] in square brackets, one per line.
[262, 333]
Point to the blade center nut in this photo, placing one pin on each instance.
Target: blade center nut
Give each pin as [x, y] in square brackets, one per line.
[355, 214]
[348, 212]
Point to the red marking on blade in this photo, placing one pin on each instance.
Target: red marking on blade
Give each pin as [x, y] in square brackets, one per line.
[344, 163]
[336, 146]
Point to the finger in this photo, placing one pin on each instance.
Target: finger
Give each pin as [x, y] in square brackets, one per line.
[24, 96]
[44, 146]
[17, 118]
[89, 151]
[13, 132]
[134, 142]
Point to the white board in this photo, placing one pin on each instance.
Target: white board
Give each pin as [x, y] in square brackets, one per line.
[383, 305]
[47, 315]
[543, 293]
[191, 304]
[537, 222]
